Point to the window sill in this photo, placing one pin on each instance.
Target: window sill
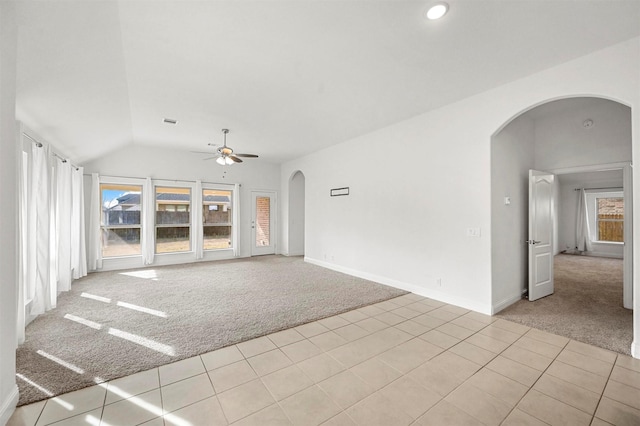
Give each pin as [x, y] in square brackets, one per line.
[613, 243]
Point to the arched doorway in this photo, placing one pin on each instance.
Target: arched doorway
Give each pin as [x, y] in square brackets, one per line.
[296, 214]
[587, 138]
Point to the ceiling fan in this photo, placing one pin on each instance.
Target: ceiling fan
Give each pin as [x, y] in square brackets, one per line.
[225, 155]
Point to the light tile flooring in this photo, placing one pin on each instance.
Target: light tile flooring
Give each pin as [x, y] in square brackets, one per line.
[406, 361]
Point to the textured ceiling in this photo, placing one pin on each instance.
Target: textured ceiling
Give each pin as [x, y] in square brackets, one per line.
[287, 77]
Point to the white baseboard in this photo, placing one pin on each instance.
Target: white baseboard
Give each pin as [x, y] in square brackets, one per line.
[8, 406]
[635, 349]
[506, 302]
[421, 291]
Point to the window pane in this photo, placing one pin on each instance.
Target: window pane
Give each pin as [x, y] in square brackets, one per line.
[172, 239]
[611, 219]
[120, 204]
[216, 218]
[263, 221]
[216, 207]
[217, 237]
[120, 242]
[172, 206]
[120, 219]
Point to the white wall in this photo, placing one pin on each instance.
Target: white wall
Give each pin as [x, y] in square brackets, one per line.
[296, 215]
[563, 142]
[418, 185]
[512, 155]
[158, 163]
[9, 194]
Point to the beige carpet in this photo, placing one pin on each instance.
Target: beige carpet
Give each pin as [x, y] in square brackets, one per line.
[113, 324]
[586, 305]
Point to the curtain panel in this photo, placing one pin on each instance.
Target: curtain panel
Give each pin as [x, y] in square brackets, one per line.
[52, 248]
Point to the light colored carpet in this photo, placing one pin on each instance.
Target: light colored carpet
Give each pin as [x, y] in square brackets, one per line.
[586, 305]
[113, 324]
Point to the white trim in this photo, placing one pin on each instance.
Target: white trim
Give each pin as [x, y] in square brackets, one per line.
[165, 259]
[421, 291]
[506, 302]
[9, 405]
[635, 349]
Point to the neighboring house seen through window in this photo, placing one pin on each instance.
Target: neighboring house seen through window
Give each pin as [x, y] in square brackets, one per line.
[216, 218]
[120, 221]
[173, 219]
[172, 222]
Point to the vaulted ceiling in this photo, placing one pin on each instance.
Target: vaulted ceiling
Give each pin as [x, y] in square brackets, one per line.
[287, 77]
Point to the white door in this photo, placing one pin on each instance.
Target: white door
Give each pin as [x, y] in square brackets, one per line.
[541, 216]
[263, 223]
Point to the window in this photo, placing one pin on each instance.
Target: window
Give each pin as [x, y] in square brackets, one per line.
[173, 219]
[610, 219]
[216, 219]
[120, 220]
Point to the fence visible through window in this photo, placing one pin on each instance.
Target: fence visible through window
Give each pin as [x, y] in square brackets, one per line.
[216, 219]
[173, 219]
[610, 217]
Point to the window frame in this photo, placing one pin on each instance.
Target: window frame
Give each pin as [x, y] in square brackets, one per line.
[109, 180]
[592, 212]
[157, 183]
[598, 219]
[231, 223]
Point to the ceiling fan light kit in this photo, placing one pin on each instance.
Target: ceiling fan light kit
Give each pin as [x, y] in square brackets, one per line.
[225, 155]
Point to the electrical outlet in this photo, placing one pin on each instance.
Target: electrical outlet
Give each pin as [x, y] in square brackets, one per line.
[439, 282]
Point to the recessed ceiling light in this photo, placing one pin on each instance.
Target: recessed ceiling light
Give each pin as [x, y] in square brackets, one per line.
[170, 121]
[437, 11]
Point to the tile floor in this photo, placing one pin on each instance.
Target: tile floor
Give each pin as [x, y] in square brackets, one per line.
[406, 361]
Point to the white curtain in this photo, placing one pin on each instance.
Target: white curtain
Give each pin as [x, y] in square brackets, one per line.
[197, 220]
[148, 221]
[51, 232]
[78, 243]
[94, 256]
[583, 233]
[38, 262]
[63, 212]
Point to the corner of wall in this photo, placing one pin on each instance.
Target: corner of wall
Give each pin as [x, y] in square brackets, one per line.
[505, 303]
[8, 406]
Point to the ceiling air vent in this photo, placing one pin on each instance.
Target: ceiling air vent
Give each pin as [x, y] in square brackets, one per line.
[170, 121]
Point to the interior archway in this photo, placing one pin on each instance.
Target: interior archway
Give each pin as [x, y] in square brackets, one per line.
[566, 137]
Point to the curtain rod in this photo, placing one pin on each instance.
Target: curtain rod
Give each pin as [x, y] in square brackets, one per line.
[168, 180]
[40, 145]
[590, 189]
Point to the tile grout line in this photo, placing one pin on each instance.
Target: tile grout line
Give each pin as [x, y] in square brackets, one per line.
[544, 371]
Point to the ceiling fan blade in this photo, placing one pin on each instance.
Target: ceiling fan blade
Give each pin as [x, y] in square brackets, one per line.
[201, 152]
[210, 158]
[235, 159]
[246, 155]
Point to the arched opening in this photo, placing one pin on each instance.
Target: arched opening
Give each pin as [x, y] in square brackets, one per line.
[296, 214]
[585, 143]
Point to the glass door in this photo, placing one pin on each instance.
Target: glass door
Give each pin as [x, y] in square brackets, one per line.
[263, 223]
